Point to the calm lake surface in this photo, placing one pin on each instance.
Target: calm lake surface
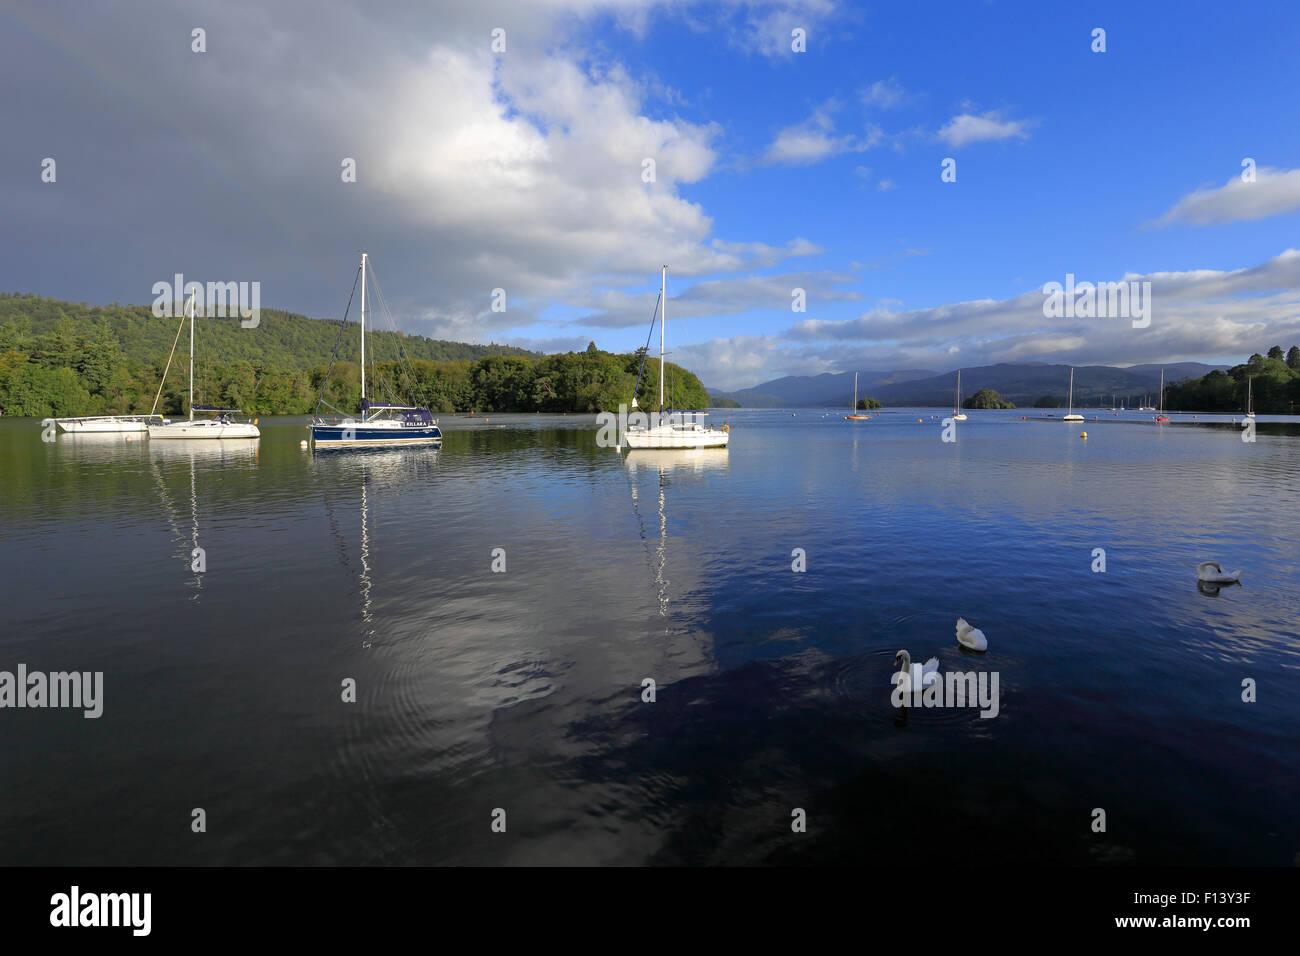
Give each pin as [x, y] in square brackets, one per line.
[1120, 690]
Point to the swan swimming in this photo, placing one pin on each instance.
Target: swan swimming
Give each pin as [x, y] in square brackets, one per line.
[929, 670]
[1218, 575]
[971, 637]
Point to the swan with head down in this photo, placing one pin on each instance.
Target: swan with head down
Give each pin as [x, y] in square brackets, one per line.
[1211, 573]
[971, 638]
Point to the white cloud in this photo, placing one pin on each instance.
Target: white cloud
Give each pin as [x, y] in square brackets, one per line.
[884, 94]
[814, 140]
[808, 142]
[1274, 191]
[764, 26]
[967, 128]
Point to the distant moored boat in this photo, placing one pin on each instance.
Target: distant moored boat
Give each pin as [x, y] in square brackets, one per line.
[1070, 416]
[853, 415]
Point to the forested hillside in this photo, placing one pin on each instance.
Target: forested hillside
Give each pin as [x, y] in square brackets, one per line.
[1274, 383]
[62, 359]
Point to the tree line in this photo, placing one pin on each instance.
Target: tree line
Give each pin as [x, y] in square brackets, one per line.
[1274, 382]
[61, 359]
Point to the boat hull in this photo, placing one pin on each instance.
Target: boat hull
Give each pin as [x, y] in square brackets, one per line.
[372, 436]
[101, 426]
[191, 430]
[664, 438]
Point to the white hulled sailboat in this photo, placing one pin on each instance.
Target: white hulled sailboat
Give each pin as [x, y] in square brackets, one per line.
[663, 431]
[1070, 416]
[221, 425]
[957, 414]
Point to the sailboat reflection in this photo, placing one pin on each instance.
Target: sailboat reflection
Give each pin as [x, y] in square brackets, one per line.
[371, 471]
[663, 464]
[231, 451]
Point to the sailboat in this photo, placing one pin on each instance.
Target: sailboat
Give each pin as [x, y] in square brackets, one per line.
[853, 414]
[1070, 416]
[661, 432]
[102, 424]
[381, 423]
[119, 424]
[1162, 417]
[1250, 397]
[223, 425]
[957, 414]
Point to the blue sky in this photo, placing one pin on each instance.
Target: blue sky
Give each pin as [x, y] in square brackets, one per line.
[520, 169]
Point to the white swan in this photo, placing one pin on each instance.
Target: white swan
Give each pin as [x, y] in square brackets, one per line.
[929, 670]
[971, 637]
[1218, 575]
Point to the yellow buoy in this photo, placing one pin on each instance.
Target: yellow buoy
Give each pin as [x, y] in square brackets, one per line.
[920, 422]
[1083, 434]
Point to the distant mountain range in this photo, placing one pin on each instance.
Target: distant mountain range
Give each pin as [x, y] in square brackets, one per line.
[1019, 382]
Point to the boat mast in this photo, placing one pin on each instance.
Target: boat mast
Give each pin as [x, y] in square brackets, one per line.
[1071, 411]
[1162, 391]
[854, 409]
[663, 320]
[363, 336]
[192, 294]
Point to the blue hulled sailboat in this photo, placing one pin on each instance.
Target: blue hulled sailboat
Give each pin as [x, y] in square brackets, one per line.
[381, 423]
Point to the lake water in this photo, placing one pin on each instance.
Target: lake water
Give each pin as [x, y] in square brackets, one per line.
[522, 690]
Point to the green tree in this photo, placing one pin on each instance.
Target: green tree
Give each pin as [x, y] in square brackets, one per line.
[58, 348]
[987, 398]
[98, 358]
